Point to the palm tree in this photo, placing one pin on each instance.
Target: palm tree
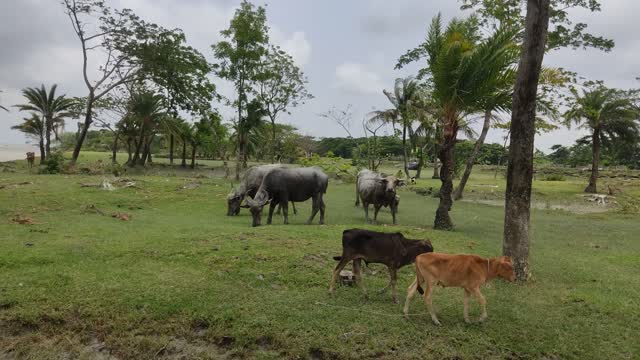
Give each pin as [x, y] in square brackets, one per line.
[34, 127]
[405, 98]
[609, 114]
[464, 71]
[148, 109]
[52, 108]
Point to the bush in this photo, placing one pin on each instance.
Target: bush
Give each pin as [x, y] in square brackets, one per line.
[53, 164]
[335, 167]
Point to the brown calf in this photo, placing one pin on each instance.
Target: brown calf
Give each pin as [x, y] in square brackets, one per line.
[31, 157]
[466, 271]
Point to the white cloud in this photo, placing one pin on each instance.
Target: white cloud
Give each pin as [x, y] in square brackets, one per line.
[357, 78]
[296, 45]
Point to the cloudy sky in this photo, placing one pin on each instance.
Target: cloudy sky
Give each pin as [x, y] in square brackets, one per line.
[347, 49]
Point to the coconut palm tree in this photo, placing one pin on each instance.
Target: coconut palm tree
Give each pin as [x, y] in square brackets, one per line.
[53, 109]
[404, 98]
[33, 126]
[465, 70]
[609, 114]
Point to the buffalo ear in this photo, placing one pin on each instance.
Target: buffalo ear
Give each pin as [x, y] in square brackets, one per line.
[400, 183]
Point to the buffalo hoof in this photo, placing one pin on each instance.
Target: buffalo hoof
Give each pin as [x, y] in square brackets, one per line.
[436, 322]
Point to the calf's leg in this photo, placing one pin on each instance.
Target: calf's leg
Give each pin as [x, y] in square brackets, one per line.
[482, 302]
[336, 272]
[411, 292]
[393, 278]
[467, 294]
[427, 300]
[357, 271]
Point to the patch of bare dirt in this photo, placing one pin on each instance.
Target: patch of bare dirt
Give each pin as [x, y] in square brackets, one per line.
[572, 207]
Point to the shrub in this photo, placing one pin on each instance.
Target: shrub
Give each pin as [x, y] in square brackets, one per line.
[335, 167]
[53, 164]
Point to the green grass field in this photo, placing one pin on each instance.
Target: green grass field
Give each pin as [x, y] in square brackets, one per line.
[180, 279]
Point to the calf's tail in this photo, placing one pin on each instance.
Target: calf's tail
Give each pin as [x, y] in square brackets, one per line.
[419, 279]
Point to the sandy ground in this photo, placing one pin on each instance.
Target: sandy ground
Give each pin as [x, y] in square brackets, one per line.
[16, 152]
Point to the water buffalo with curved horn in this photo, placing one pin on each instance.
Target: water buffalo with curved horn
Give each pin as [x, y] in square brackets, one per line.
[281, 185]
[248, 186]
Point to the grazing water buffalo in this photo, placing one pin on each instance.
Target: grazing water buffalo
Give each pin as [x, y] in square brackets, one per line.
[372, 188]
[281, 185]
[391, 249]
[248, 186]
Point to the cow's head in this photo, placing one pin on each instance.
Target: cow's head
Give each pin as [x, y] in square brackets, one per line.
[390, 183]
[233, 203]
[504, 268]
[255, 205]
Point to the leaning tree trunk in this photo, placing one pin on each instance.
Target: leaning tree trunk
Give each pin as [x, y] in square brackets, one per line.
[171, 144]
[184, 154]
[591, 188]
[193, 156]
[139, 144]
[443, 220]
[85, 127]
[457, 195]
[520, 168]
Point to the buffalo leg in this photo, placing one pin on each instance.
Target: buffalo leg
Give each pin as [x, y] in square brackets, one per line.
[285, 211]
[272, 207]
[314, 209]
[376, 208]
[357, 195]
[394, 211]
[411, 292]
[365, 205]
[293, 205]
[322, 207]
[336, 272]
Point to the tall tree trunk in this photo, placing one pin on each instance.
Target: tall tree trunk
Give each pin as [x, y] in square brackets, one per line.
[193, 156]
[443, 220]
[129, 151]
[436, 171]
[595, 161]
[420, 162]
[404, 148]
[184, 154]
[43, 155]
[171, 144]
[273, 140]
[47, 135]
[520, 168]
[457, 195]
[114, 148]
[85, 127]
[139, 144]
[145, 150]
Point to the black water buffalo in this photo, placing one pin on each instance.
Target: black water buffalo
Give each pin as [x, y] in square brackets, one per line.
[391, 249]
[249, 185]
[281, 185]
[373, 188]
